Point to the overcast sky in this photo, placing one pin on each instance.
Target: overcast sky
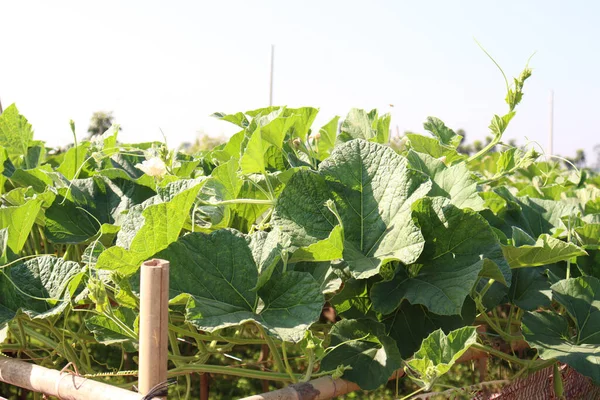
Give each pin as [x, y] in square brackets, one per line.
[169, 65]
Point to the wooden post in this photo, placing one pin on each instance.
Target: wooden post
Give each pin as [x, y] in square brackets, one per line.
[63, 385]
[154, 319]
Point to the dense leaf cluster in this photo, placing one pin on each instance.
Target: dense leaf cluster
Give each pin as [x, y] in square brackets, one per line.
[409, 244]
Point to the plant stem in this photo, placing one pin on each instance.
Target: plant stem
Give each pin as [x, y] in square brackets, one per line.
[287, 364]
[205, 337]
[219, 369]
[413, 393]
[276, 356]
[241, 201]
[500, 354]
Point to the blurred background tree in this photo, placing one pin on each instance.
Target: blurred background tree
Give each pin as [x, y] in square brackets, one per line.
[203, 142]
[99, 123]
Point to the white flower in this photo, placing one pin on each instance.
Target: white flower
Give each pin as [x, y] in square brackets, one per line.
[153, 167]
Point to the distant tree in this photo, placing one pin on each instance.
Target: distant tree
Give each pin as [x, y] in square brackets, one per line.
[578, 160]
[100, 122]
[203, 142]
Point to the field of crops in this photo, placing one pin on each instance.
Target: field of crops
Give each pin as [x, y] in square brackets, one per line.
[299, 251]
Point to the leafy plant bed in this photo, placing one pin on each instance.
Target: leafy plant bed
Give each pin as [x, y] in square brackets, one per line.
[298, 252]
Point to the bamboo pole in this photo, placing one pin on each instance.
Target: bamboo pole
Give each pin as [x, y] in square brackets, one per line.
[154, 322]
[63, 385]
[326, 387]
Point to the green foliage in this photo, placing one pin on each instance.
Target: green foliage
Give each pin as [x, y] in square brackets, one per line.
[342, 255]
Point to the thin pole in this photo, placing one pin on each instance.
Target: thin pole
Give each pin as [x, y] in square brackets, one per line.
[154, 324]
[551, 131]
[271, 75]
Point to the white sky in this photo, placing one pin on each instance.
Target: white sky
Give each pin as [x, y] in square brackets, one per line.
[169, 65]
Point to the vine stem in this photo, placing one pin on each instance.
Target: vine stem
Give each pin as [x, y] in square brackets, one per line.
[276, 356]
[413, 393]
[205, 337]
[500, 354]
[241, 201]
[219, 369]
[288, 368]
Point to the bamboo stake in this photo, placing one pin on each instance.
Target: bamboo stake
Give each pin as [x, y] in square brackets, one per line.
[154, 322]
[63, 385]
[326, 387]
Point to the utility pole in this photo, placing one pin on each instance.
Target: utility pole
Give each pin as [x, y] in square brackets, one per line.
[551, 130]
[271, 77]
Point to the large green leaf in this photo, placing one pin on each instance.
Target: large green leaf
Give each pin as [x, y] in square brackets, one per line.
[217, 274]
[445, 135]
[73, 161]
[327, 136]
[162, 225]
[409, 324]
[373, 189]
[359, 124]
[457, 244]
[534, 216]
[434, 148]
[19, 221]
[106, 331]
[253, 159]
[454, 182]
[551, 335]
[39, 287]
[16, 134]
[439, 352]
[267, 251]
[363, 346]
[547, 250]
[77, 215]
[530, 288]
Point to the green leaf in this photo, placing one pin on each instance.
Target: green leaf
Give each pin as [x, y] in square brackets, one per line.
[19, 221]
[364, 346]
[530, 288]
[323, 273]
[238, 119]
[456, 244]
[218, 272]
[534, 216]
[16, 134]
[106, 331]
[439, 352]
[551, 335]
[373, 190]
[90, 203]
[588, 235]
[362, 125]
[38, 287]
[409, 324]
[162, 225]
[547, 250]
[445, 135]
[328, 135]
[432, 147]
[266, 250]
[454, 182]
[356, 125]
[253, 159]
[327, 249]
[353, 301]
[499, 124]
[73, 160]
